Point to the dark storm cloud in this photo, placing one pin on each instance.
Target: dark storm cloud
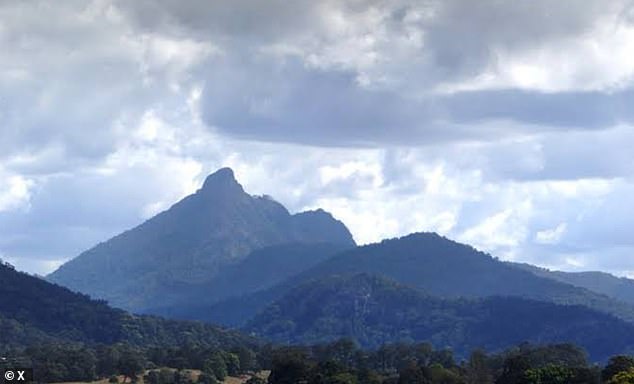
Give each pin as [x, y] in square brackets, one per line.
[291, 103]
[287, 97]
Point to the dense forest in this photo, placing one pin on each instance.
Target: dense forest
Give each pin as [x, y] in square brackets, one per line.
[374, 311]
[34, 311]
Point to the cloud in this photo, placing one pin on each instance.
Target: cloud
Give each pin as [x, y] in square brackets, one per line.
[15, 191]
[551, 236]
[328, 73]
[73, 74]
[490, 122]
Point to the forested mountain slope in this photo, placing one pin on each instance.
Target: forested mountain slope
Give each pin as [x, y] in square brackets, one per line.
[373, 311]
[188, 245]
[34, 311]
[432, 264]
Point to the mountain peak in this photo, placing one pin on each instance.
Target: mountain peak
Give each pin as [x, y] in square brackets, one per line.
[223, 178]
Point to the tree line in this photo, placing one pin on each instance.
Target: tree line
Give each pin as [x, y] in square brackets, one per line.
[341, 362]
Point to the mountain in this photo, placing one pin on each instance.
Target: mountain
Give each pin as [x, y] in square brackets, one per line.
[188, 245]
[430, 263]
[446, 268]
[34, 311]
[372, 311]
[260, 270]
[619, 288]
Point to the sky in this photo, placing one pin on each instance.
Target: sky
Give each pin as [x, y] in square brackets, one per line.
[508, 125]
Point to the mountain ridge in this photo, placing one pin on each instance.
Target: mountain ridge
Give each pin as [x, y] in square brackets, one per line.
[189, 243]
[430, 263]
[620, 288]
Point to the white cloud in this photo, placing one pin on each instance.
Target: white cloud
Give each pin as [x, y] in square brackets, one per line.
[597, 60]
[15, 191]
[552, 235]
[111, 111]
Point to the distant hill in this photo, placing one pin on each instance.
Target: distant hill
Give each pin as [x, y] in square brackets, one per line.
[33, 311]
[260, 270]
[187, 245]
[619, 288]
[372, 311]
[430, 263]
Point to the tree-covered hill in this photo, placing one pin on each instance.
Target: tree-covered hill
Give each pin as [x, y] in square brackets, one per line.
[34, 311]
[430, 263]
[446, 268]
[373, 311]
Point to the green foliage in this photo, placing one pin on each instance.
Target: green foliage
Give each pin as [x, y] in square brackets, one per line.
[442, 267]
[290, 367]
[55, 363]
[64, 363]
[33, 312]
[341, 362]
[372, 310]
[617, 364]
[171, 376]
[623, 377]
[216, 366]
[205, 378]
[550, 374]
[414, 374]
[478, 368]
[131, 363]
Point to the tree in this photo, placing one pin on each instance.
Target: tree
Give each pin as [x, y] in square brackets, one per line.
[182, 377]
[413, 374]
[477, 370]
[616, 365]
[442, 375]
[623, 377]
[232, 362]
[247, 358]
[290, 367]
[550, 374]
[131, 364]
[513, 370]
[205, 378]
[367, 376]
[343, 378]
[216, 366]
[443, 357]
